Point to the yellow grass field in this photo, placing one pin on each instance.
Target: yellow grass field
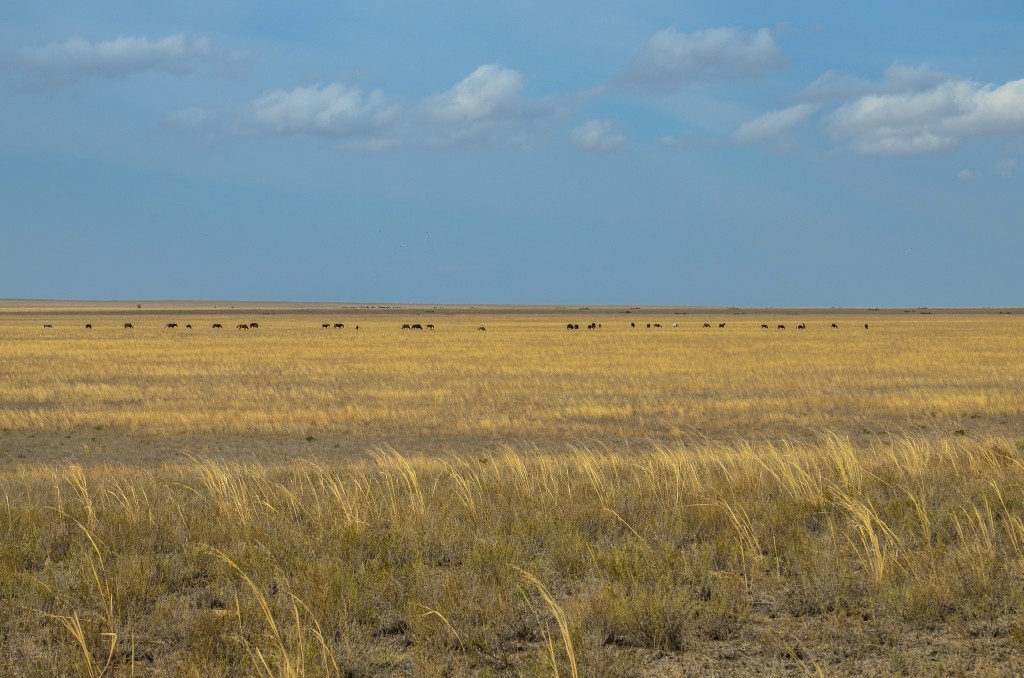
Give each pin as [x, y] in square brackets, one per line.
[522, 500]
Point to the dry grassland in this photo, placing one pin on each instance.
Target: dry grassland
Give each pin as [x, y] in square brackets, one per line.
[525, 500]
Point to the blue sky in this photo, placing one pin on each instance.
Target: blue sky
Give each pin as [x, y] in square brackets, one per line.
[771, 154]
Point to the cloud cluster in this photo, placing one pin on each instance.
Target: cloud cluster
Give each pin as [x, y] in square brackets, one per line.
[487, 107]
[60, 64]
[945, 115]
[911, 110]
[325, 110]
[672, 58]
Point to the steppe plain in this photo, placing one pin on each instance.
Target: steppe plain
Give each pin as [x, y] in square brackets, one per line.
[520, 500]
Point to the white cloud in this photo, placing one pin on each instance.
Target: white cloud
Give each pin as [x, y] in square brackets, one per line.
[489, 91]
[597, 136]
[64, 63]
[773, 124]
[671, 58]
[486, 107]
[334, 110]
[967, 174]
[930, 119]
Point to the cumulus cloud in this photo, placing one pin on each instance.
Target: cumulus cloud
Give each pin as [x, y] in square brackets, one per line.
[597, 136]
[333, 110]
[671, 58]
[489, 91]
[772, 125]
[485, 107]
[60, 64]
[929, 119]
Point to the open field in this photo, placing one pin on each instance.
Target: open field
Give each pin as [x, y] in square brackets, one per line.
[525, 500]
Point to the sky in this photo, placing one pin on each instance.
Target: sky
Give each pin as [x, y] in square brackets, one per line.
[792, 153]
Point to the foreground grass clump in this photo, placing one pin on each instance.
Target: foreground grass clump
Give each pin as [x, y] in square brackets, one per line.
[904, 557]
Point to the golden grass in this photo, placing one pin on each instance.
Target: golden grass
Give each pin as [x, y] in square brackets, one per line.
[525, 500]
[526, 378]
[587, 562]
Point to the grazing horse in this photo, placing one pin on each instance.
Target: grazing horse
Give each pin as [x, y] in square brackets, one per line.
[242, 326]
[47, 326]
[482, 328]
[417, 326]
[764, 327]
[406, 327]
[707, 324]
[675, 325]
[171, 325]
[569, 327]
[834, 326]
[430, 327]
[338, 326]
[254, 325]
[658, 325]
[782, 327]
[592, 326]
[326, 326]
[129, 326]
[218, 326]
[188, 327]
[721, 325]
[801, 326]
[88, 326]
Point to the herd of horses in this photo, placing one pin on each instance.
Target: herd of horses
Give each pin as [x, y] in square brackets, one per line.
[418, 326]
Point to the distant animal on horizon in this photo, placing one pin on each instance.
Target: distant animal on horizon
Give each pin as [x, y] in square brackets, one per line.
[254, 325]
[430, 327]
[834, 326]
[782, 327]
[658, 325]
[88, 326]
[47, 326]
[801, 326]
[188, 327]
[592, 326]
[570, 327]
[721, 325]
[171, 325]
[338, 326]
[417, 326]
[865, 325]
[633, 325]
[326, 326]
[482, 328]
[674, 325]
[406, 327]
[129, 326]
[241, 326]
[218, 326]
[707, 324]
[764, 327]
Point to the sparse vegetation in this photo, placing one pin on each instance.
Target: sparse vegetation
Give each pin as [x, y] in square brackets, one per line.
[579, 546]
